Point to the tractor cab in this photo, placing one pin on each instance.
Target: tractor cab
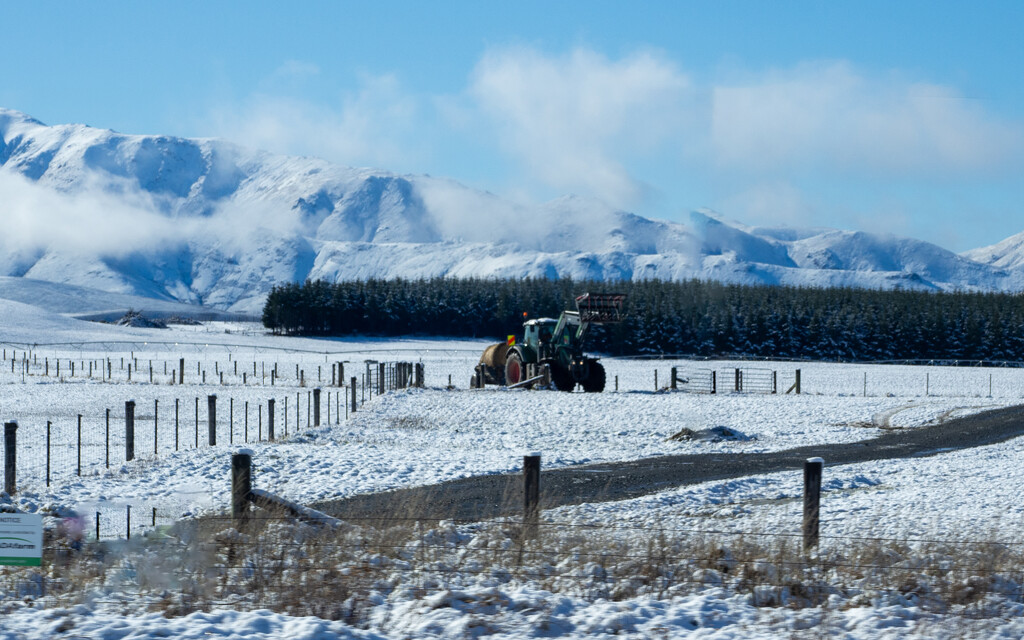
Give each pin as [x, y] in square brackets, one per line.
[537, 334]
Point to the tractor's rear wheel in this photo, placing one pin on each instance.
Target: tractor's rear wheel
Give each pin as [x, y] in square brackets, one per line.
[514, 370]
[594, 383]
[561, 378]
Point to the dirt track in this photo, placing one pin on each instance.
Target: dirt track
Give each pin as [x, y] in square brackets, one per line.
[489, 496]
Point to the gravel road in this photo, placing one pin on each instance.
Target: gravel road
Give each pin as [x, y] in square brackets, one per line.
[483, 497]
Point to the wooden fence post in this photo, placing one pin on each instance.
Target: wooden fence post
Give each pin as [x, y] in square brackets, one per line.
[211, 418]
[181, 371]
[10, 457]
[531, 495]
[812, 501]
[129, 430]
[797, 384]
[352, 385]
[341, 375]
[675, 378]
[316, 407]
[420, 375]
[79, 457]
[241, 488]
[738, 384]
[270, 419]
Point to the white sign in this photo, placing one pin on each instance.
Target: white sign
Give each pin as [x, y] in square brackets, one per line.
[21, 539]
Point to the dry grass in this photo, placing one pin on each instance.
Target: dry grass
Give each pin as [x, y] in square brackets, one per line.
[343, 572]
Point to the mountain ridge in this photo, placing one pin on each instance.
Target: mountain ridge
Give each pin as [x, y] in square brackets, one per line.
[220, 224]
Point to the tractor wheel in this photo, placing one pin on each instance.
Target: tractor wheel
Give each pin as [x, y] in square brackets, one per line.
[561, 378]
[514, 369]
[595, 378]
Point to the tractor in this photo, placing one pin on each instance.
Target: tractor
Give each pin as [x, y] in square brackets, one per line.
[556, 343]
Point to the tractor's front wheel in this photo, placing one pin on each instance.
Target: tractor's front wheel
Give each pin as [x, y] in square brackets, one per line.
[514, 370]
[561, 378]
[594, 383]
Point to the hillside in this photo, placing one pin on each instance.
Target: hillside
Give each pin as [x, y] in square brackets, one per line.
[208, 222]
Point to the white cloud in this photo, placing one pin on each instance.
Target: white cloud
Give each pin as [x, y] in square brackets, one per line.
[831, 116]
[572, 121]
[91, 221]
[106, 217]
[369, 127]
[771, 203]
[529, 122]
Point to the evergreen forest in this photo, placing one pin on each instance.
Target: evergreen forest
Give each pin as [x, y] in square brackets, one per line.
[691, 318]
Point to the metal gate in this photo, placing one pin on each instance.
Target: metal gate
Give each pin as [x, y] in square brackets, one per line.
[747, 380]
[694, 380]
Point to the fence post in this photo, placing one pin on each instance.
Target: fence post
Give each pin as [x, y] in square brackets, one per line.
[10, 457]
[531, 494]
[156, 427]
[107, 441]
[316, 407]
[181, 371]
[241, 487]
[341, 375]
[79, 467]
[655, 379]
[797, 382]
[420, 375]
[47, 453]
[211, 418]
[812, 501]
[353, 387]
[738, 384]
[675, 373]
[129, 430]
[775, 381]
[270, 419]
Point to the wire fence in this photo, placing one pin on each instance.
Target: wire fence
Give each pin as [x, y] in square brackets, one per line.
[311, 570]
[46, 454]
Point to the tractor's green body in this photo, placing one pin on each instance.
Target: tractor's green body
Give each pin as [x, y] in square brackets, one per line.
[559, 344]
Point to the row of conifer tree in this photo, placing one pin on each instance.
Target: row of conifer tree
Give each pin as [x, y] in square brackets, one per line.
[666, 317]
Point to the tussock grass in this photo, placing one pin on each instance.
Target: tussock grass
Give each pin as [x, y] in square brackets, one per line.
[345, 572]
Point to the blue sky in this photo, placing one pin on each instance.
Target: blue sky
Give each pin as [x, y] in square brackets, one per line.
[899, 117]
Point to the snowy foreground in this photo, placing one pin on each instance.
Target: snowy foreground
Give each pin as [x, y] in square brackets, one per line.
[424, 436]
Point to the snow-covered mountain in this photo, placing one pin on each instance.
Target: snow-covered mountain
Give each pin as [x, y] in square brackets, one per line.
[209, 222]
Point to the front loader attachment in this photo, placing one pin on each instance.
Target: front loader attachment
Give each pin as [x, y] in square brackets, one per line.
[604, 308]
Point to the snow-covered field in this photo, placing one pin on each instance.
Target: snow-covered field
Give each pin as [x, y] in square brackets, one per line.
[423, 436]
